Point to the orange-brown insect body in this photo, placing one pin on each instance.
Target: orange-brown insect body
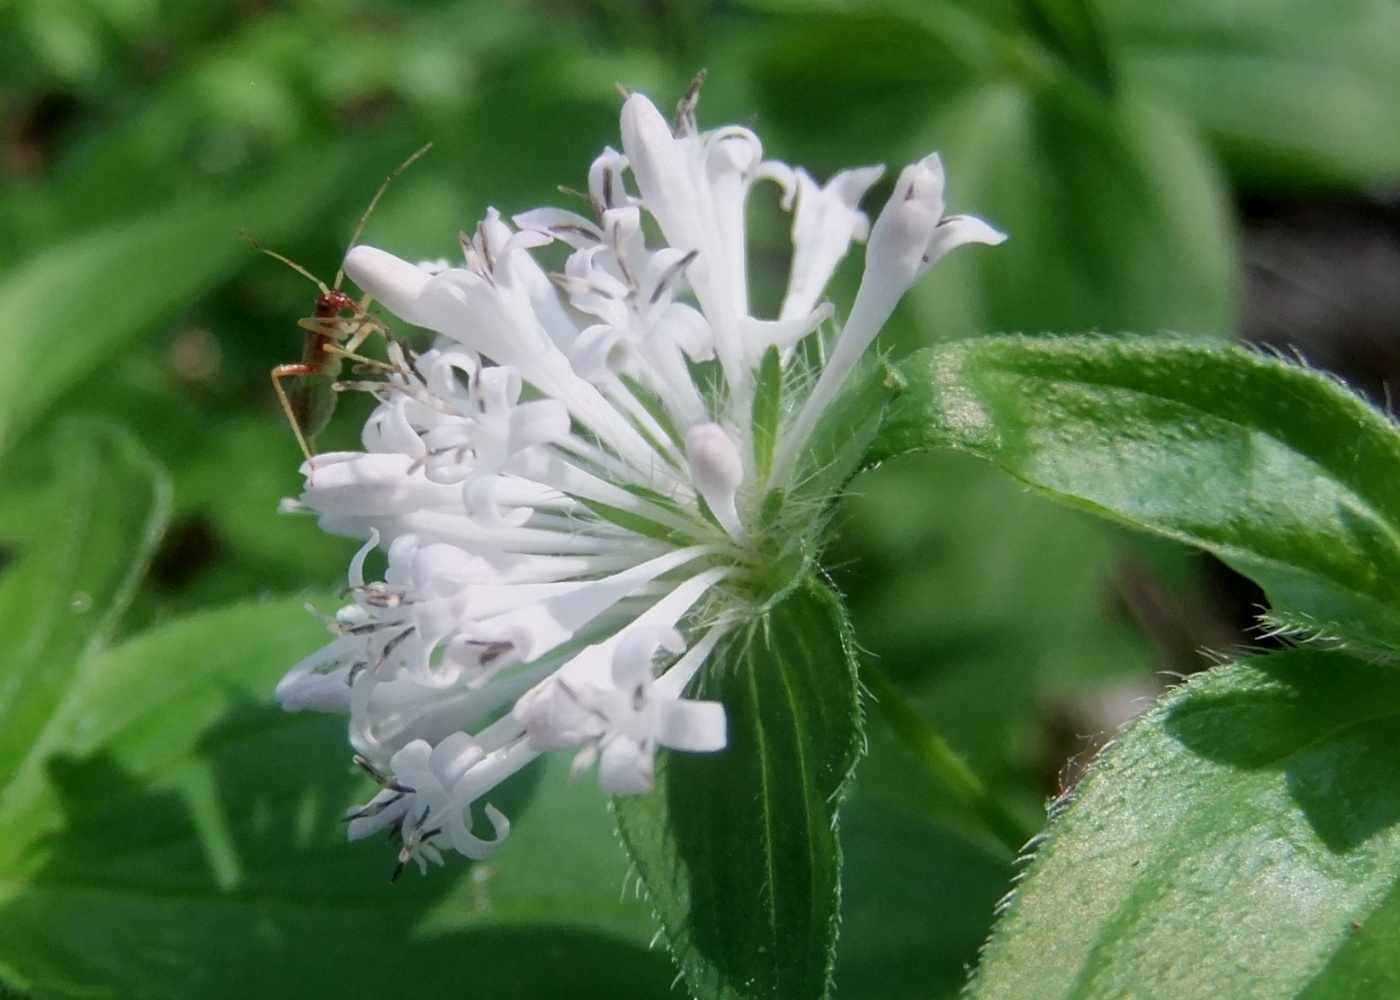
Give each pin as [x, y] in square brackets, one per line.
[331, 336]
[326, 329]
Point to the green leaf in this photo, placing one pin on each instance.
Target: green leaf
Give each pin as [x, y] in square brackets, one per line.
[1274, 467]
[83, 301]
[73, 572]
[738, 850]
[1116, 215]
[1242, 836]
[853, 77]
[1072, 29]
[181, 838]
[1288, 90]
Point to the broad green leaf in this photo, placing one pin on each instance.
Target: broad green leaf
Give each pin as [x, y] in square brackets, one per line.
[738, 850]
[1072, 29]
[72, 571]
[1274, 467]
[1116, 215]
[843, 85]
[182, 838]
[1288, 90]
[76, 304]
[1241, 839]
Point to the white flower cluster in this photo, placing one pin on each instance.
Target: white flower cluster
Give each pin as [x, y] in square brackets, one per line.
[572, 485]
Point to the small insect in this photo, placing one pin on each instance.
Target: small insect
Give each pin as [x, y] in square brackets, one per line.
[335, 330]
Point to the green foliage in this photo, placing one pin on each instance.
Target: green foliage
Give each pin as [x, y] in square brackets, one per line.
[72, 574]
[84, 302]
[767, 408]
[1259, 796]
[1286, 90]
[157, 845]
[1071, 29]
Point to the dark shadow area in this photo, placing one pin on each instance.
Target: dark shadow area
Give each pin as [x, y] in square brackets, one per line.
[225, 873]
[1322, 278]
[1329, 722]
[917, 903]
[191, 545]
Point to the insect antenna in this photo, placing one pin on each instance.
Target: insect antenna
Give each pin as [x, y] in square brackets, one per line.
[364, 219]
[253, 242]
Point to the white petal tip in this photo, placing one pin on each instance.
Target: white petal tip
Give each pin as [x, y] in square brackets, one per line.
[392, 281]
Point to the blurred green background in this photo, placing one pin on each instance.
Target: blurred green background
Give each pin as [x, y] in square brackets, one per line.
[1199, 167]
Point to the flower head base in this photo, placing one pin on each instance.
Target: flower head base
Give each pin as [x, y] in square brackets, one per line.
[595, 476]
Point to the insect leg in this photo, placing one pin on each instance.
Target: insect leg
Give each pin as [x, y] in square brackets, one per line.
[287, 371]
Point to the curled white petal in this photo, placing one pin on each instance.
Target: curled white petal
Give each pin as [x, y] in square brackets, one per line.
[908, 235]
[827, 219]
